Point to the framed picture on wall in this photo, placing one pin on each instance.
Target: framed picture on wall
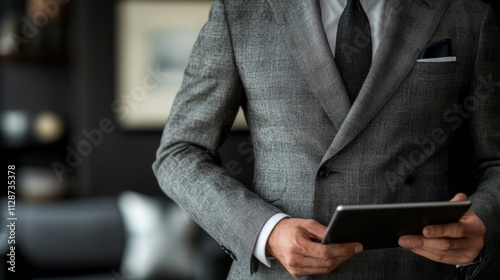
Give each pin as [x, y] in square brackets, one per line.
[154, 40]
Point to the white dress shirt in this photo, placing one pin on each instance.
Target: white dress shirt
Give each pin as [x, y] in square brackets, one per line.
[331, 10]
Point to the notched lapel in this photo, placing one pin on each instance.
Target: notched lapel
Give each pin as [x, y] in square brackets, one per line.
[302, 24]
[410, 25]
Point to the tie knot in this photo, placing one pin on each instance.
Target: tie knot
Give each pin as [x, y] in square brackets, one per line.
[354, 4]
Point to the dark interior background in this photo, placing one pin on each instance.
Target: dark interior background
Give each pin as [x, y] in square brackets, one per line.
[80, 86]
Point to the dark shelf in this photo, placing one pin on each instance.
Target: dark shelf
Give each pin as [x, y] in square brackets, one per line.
[61, 56]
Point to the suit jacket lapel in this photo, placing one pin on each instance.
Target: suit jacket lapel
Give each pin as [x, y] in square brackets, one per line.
[410, 26]
[302, 24]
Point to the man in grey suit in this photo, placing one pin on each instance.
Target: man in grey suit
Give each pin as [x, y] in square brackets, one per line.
[375, 113]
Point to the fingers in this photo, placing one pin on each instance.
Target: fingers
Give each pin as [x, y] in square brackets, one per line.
[331, 255]
[455, 243]
[323, 260]
[459, 257]
[325, 252]
[444, 250]
[295, 243]
[307, 244]
[454, 230]
[459, 197]
[300, 266]
[436, 244]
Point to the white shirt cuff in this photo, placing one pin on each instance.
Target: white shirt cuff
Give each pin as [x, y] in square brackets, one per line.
[478, 259]
[464, 265]
[260, 247]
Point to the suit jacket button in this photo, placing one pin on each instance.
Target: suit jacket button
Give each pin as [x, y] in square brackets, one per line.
[323, 173]
[410, 179]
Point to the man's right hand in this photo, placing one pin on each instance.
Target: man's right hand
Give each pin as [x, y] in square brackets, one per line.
[295, 243]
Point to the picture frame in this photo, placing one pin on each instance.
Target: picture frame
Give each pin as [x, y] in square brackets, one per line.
[154, 40]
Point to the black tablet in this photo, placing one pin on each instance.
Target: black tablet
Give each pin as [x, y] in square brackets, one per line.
[380, 225]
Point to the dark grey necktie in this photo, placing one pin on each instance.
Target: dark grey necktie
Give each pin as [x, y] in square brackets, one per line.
[353, 51]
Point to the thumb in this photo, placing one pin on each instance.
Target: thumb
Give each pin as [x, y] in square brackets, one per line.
[469, 213]
[459, 197]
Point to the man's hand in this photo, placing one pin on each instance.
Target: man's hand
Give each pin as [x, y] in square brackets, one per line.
[457, 243]
[296, 245]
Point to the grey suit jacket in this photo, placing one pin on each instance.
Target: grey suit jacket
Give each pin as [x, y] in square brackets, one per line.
[314, 149]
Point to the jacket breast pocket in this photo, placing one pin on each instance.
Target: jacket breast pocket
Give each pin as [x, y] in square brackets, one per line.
[435, 69]
[437, 77]
[429, 87]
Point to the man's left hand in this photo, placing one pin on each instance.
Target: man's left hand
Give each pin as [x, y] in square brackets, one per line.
[456, 243]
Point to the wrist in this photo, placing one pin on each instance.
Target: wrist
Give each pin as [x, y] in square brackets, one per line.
[261, 251]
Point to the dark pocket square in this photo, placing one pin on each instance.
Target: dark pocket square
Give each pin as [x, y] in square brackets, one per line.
[441, 48]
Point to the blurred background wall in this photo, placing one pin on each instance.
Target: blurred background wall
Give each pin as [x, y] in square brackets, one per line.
[79, 170]
[57, 87]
